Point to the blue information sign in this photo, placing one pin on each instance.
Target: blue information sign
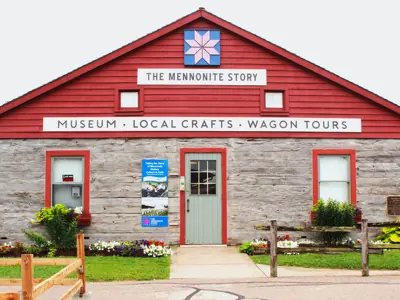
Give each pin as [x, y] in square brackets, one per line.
[154, 193]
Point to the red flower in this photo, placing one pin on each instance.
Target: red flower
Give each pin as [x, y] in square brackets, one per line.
[150, 243]
[286, 237]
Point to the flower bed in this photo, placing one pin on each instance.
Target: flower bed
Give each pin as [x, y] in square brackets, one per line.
[139, 248]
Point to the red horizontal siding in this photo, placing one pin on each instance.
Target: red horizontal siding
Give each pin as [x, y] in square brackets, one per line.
[93, 94]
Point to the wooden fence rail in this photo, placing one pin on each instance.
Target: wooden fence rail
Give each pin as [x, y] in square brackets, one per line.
[365, 248]
[30, 291]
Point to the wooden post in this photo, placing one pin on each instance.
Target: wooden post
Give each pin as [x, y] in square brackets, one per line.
[364, 247]
[273, 250]
[80, 249]
[27, 276]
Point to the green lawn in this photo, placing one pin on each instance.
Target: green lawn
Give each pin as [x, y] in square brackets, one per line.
[106, 268]
[390, 260]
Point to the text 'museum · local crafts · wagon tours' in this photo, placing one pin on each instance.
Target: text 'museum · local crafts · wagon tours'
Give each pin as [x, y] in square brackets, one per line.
[192, 134]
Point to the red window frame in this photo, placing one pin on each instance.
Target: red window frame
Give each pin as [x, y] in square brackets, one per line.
[353, 173]
[85, 217]
[274, 111]
[128, 111]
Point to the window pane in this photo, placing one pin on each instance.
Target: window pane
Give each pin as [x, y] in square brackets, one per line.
[194, 177]
[203, 189]
[67, 166]
[211, 177]
[334, 168]
[212, 165]
[194, 165]
[205, 177]
[212, 189]
[274, 100]
[203, 165]
[194, 189]
[69, 195]
[129, 99]
[335, 190]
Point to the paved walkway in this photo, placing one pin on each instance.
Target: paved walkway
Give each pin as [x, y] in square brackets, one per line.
[299, 288]
[206, 273]
[212, 262]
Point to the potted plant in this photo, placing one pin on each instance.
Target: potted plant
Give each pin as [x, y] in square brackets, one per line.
[357, 215]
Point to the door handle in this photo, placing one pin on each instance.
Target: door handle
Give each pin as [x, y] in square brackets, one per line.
[187, 205]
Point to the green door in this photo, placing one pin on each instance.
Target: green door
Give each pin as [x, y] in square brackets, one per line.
[203, 205]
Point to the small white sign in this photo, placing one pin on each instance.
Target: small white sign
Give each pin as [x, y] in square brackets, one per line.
[209, 124]
[202, 77]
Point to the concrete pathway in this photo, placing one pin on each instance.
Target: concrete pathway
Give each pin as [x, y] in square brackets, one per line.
[294, 288]
[212, 262]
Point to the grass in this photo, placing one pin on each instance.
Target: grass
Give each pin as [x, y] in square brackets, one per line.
[390, 260]
[105, 268]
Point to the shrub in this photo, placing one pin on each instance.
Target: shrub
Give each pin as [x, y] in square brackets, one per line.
[333, 213]
[247, 248]
[61, 226]
[390, 235]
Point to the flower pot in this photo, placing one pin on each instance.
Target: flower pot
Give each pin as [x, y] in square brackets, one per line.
[313, 216]
[357, 218]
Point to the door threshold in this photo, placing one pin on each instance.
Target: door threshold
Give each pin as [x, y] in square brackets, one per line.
[192, 246]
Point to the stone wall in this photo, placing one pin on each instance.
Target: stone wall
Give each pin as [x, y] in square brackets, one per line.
[269, 177]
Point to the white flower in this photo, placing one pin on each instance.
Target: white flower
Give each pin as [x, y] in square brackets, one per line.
[78, 210]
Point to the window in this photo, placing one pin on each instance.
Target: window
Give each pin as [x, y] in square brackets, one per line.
[203, 177]
[67, 180]
[334, 175]
[274, 102]
[129, 101]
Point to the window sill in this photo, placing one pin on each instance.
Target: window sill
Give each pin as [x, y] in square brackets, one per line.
[85, 220]
[274, 113]
[129, 113]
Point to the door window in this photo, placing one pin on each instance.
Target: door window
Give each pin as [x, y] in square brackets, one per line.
[203, 177]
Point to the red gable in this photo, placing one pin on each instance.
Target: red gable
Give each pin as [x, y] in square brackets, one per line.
[92, 90]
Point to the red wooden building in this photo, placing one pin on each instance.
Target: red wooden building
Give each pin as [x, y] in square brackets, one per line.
[245, 128]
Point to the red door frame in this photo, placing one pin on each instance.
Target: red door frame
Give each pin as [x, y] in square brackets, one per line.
[223, 192]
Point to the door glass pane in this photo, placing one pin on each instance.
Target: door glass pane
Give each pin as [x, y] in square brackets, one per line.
[194, 177]
[212, 165]
[203, 166]
[194, 165]
[211, 177]
[334, 168]
[194, 189]
[203, 189]
[212, 189]
[335, 190]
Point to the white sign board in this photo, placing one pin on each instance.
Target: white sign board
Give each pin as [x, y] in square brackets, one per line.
[209, 124]
[202, 77]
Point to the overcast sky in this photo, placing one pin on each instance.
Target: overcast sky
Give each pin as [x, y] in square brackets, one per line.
[42, 40]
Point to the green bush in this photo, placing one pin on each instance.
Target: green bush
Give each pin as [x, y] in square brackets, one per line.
[335, 214]
[390, 235]
[247, 248]
[61, 226]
